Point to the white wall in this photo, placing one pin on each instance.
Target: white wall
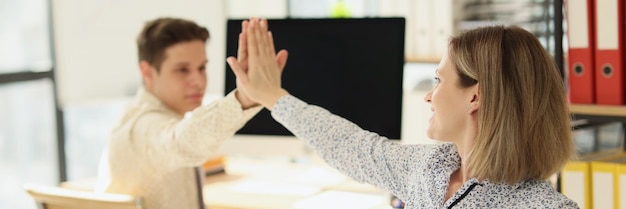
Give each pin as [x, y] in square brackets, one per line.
[323, 8]
[95, 43]
[95, 40]
[242, 9]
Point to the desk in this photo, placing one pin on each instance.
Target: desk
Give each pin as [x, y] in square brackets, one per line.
[254, 183]
[263, 184]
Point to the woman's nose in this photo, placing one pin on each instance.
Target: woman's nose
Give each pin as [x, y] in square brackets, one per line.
[428, 96]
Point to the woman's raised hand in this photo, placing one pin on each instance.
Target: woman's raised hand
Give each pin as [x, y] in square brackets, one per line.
[258, 68]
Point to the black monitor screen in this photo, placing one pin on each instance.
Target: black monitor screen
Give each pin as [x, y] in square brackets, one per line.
[351, 67]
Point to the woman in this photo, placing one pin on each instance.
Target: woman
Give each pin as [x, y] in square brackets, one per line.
[499, 105]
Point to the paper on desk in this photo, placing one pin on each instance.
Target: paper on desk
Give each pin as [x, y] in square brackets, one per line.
[274, 188]
[342, 200]
[318, 176]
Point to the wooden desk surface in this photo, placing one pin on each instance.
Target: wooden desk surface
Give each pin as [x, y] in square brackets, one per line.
[262, 184]
[269, 184]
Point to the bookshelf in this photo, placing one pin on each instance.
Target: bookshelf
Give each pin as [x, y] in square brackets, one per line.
[598, 110]
[590, 113]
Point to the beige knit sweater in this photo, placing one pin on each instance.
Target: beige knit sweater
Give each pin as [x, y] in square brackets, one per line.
[153, 150]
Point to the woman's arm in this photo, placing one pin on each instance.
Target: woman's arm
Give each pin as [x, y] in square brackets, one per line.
[364, 156]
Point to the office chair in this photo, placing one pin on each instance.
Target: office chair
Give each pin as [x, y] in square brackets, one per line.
[51, 197]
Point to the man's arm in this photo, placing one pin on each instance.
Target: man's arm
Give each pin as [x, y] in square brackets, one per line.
[173, 143]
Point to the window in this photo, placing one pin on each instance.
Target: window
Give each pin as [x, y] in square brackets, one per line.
[24, 36]
[28, 145]
[29, 134]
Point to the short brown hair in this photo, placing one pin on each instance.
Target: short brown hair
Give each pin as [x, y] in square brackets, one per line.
[161, 33]
[524, 122]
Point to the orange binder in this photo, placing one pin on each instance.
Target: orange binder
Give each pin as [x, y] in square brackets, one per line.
[580, 21]
[609, 53]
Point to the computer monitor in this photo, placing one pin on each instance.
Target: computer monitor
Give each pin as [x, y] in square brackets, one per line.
[351, 67]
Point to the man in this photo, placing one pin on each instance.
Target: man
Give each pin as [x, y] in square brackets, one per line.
[166, 132]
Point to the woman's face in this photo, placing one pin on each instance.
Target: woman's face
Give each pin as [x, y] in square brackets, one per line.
[450, 104]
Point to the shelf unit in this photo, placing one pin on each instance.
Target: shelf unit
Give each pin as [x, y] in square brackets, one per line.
[599, 114]
[590, 113]
[598, 110]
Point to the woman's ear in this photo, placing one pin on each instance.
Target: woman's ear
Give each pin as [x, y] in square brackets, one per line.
[473, 107]
[147, 74]
[475, 101]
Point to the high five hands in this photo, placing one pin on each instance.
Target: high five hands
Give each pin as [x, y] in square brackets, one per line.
[258, 67]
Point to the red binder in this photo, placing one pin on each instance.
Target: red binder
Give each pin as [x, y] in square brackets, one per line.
[580, 21]
[609, 53]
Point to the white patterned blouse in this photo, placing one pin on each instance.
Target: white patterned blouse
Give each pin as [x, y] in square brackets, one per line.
[417, 174]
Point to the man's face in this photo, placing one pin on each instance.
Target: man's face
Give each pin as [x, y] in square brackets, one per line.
[182, 79]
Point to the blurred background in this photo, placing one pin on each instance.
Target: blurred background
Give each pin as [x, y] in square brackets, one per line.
[69, 67]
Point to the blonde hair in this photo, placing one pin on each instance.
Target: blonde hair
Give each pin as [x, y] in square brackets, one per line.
[523, 121]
